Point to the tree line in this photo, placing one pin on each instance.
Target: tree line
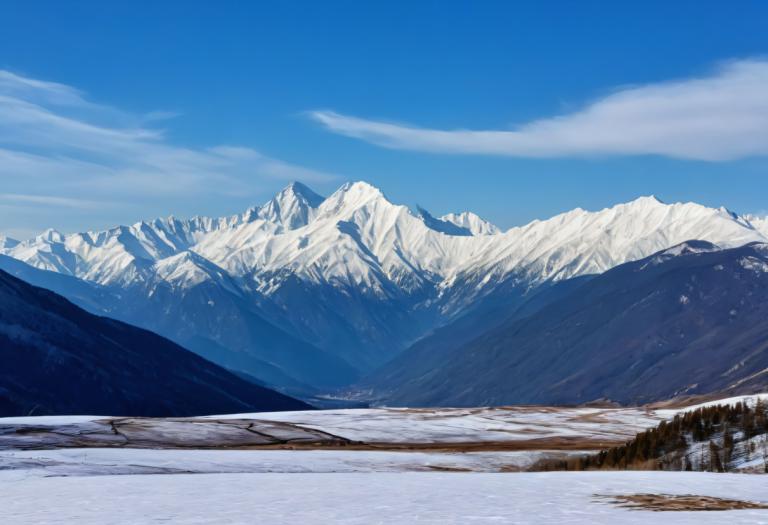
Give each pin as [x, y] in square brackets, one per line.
[664, 447]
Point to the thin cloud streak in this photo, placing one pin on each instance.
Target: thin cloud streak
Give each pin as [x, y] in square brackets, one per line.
[51, 200]
[720, 117]
[51, 134]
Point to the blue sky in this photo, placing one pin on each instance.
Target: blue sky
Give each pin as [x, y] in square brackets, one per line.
[113, 113]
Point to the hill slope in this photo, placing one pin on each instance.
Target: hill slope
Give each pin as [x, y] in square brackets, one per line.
[688, 320]
[59, 359]
[235, 335]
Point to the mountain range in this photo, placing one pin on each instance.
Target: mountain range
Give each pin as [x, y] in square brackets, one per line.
[311, 294]
[689, 320]
[59, 359]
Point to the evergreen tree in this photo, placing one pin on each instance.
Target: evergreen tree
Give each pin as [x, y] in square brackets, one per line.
[727, 445]
[715, 464]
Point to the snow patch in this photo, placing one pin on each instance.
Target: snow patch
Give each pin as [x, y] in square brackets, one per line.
[430, 498]
[754, 264]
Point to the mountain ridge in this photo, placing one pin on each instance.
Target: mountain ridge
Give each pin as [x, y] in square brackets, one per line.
[359, 277]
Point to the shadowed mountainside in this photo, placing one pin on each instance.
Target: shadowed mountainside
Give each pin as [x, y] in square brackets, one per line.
[59, 359]
[687, 320]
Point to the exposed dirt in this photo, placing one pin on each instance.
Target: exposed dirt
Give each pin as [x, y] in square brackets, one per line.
[677, 503]
[566, 444]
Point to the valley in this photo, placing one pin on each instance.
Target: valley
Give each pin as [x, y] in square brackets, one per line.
[383, 263]
[353, 296]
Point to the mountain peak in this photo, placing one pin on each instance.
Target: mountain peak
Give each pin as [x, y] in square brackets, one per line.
[442, 225]
[302, 191]
[51, 235]
[352, 195]
[292, 208]
[648, 200]
[7, 242]
[472, 222]
[361, 188]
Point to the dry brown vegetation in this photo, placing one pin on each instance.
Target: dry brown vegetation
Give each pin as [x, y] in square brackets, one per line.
[687, 502]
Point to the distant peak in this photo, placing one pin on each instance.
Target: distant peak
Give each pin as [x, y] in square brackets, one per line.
[360, 187]
[301, 190]
[648, 199]
[472, 222]
[51, 235]
[441, 225]
[297, 190]
[292, 208]
[357, 192]
[7, 242]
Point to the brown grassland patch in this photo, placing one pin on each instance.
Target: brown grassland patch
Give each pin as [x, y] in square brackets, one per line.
[670, 502]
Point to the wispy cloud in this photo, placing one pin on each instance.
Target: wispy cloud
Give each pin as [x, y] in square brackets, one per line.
[719, 117]
[12, 84]
[52, 136]
[51, 200]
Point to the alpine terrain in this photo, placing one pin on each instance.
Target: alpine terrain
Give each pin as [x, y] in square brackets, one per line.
[688, 320]
[311, 294]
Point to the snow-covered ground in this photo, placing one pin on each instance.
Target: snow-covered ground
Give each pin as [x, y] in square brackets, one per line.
[446, 425]
[106, 461]
[439, 498]
[48, 420]
[750, 400]
[140, 470]
[522, 428]
[402, 425]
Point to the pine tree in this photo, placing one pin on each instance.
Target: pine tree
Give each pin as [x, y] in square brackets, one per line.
[715, 464]
[727, 445]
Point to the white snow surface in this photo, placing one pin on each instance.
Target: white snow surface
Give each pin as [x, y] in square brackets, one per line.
[471, 222]
[356, 237]
[138, 486]
[747, 399]
[128, 461]
[456, 425]
[432, 498]
[48, 420]
[760, 223]
[396, 425]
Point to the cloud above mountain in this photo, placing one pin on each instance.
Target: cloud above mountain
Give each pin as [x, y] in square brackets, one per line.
[52, 136]
[718, 117]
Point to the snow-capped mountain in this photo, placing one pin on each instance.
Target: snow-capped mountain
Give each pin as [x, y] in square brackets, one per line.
[475, 224]
[354, 275]
[759, 223]
[580, 242]
[292, 208]
[6, 243]
[690, 320]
